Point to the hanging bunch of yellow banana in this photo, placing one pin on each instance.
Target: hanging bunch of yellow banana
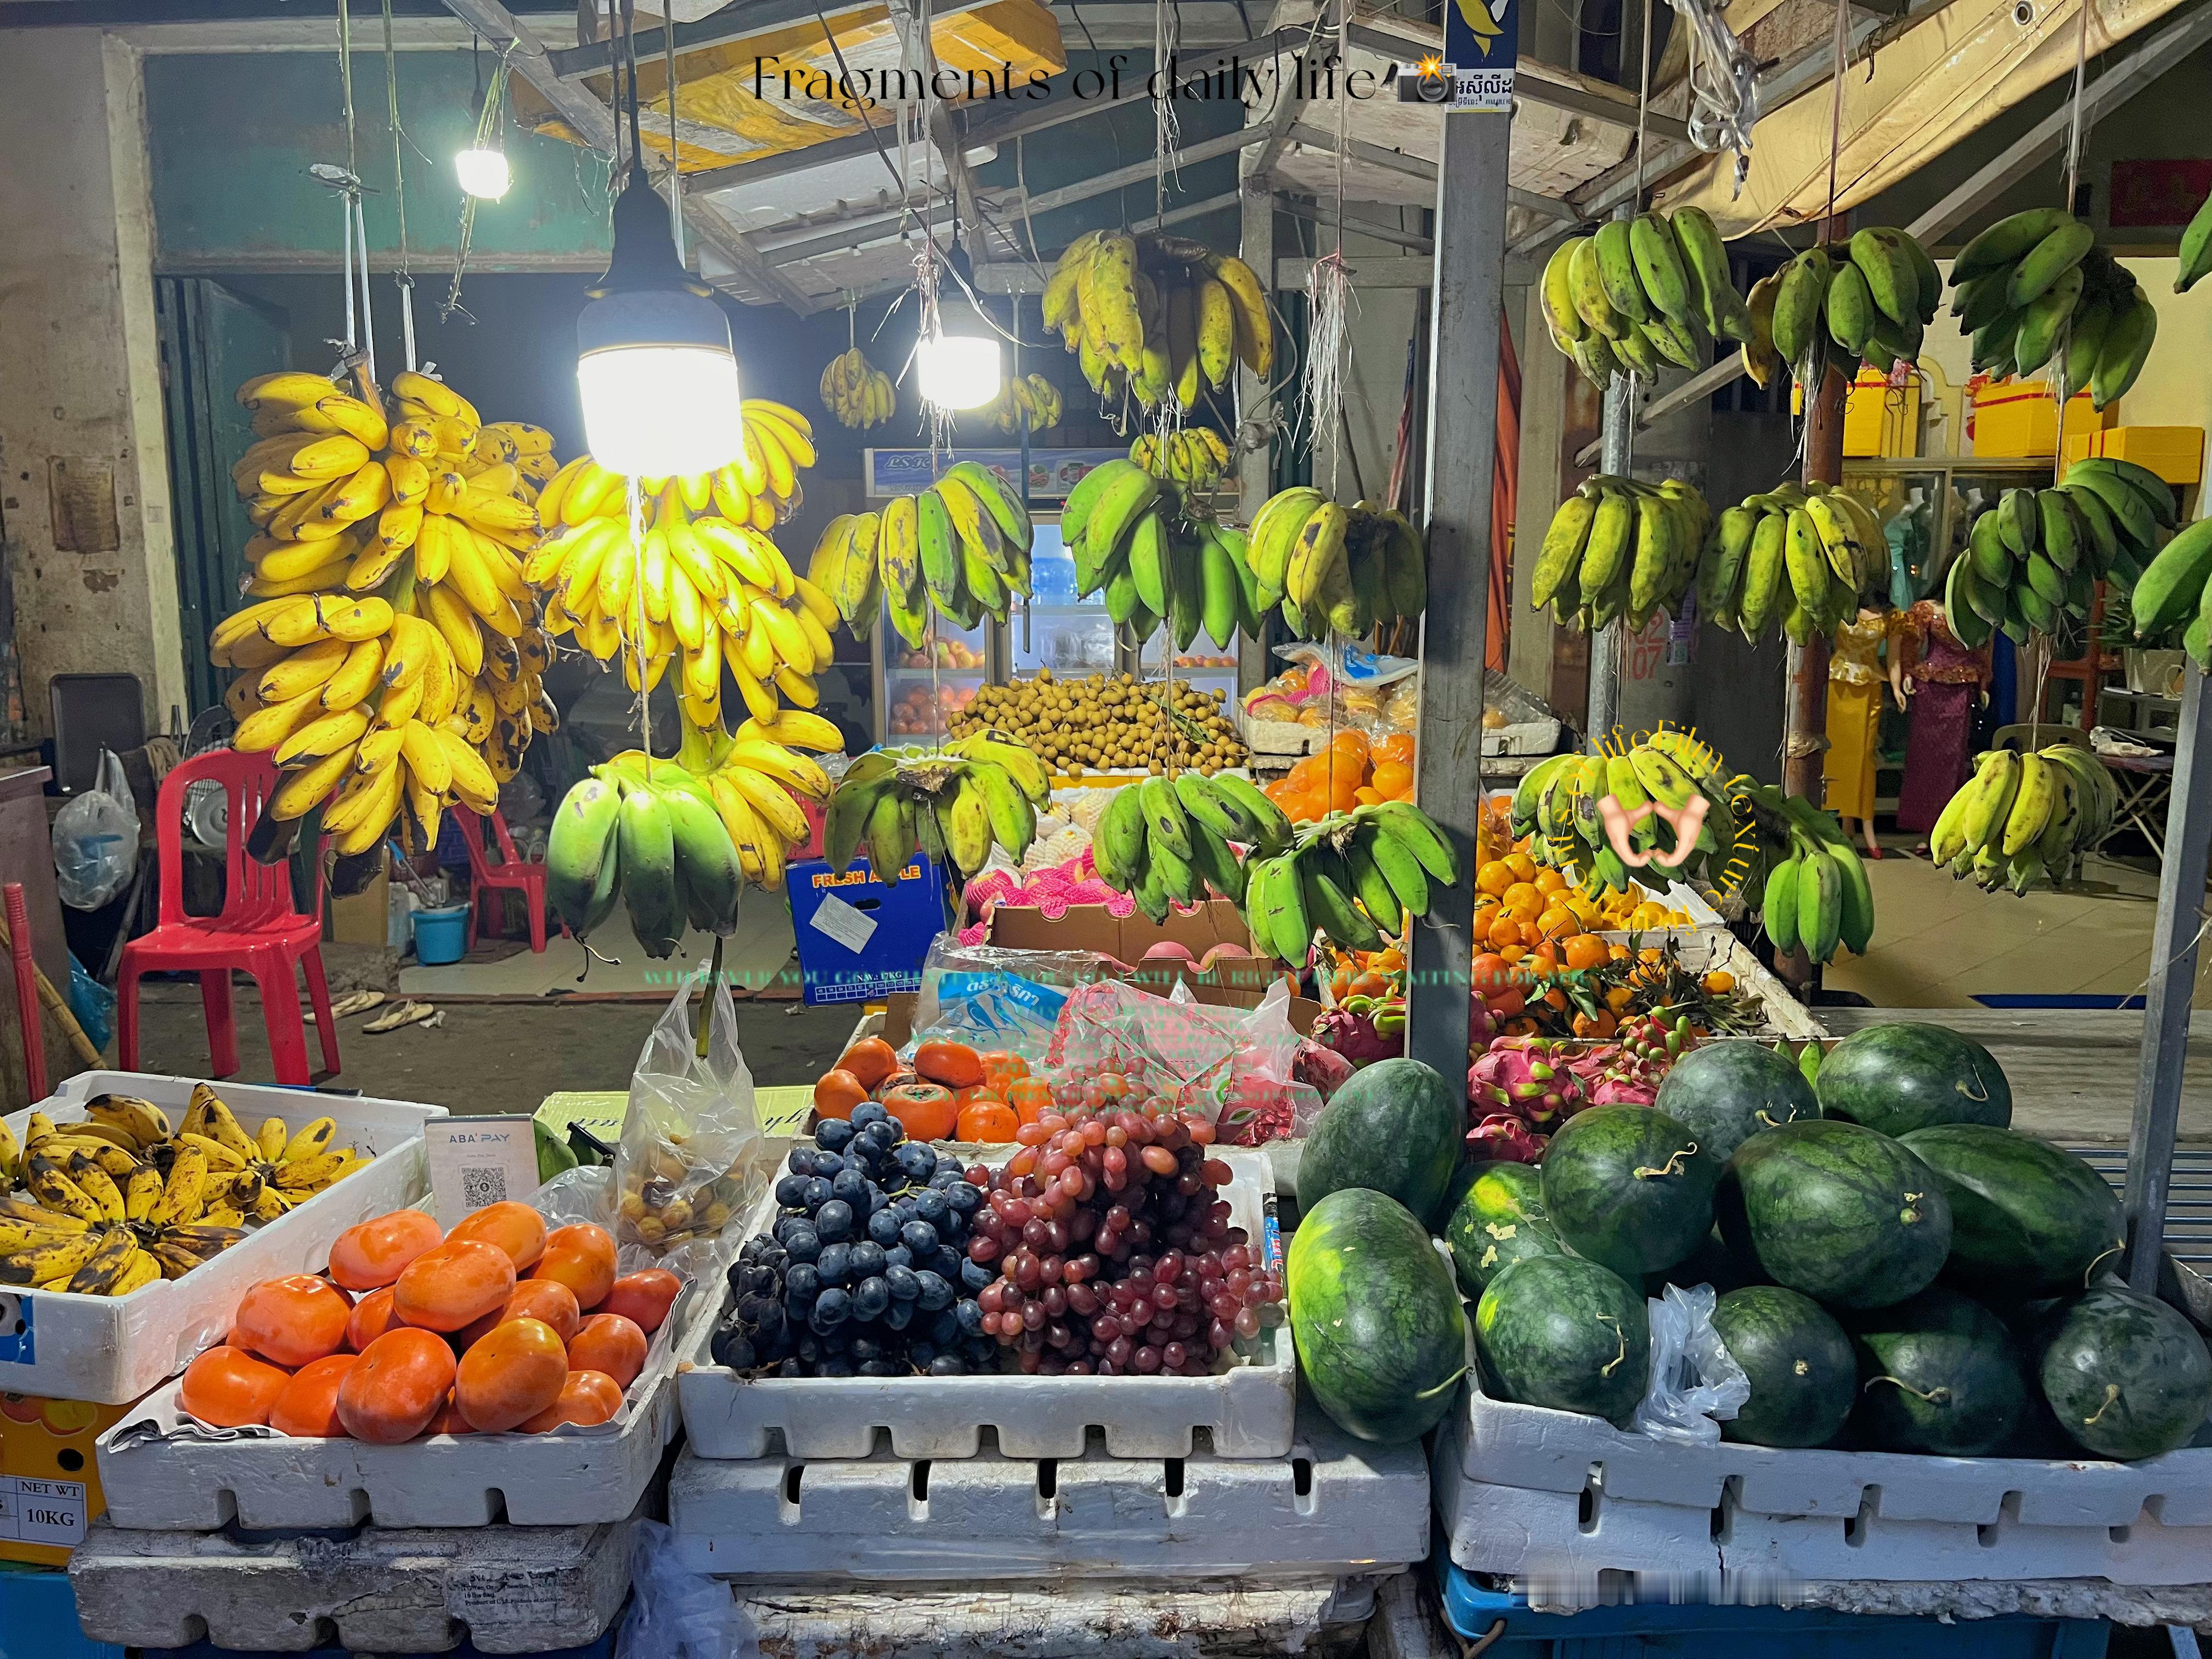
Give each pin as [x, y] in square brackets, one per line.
[961, 545]
[1032, 402]
[1157, 313]
[858, 393]
[760, 487]
[390, 657]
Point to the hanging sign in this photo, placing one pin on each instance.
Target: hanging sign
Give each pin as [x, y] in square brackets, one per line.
[1481, 46]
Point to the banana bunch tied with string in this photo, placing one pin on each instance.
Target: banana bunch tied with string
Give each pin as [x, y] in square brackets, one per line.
[1801, 556]
[2036, 280]
[2033, 561]
[1619, 547]
[678, 838]
[1642, 292]
[1162, 316]
[1843, 303]
[390, 655]
[1167, 839]
[2026, 817]
[1031, 403]
[1194, 457]
[1347, 569]
[952, 805]
[961, 546]
[1133, 537]
[858, 393]
[1358, 877]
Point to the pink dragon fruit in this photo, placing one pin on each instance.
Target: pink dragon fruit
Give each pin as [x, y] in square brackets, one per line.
[1364, 1029]
[1505, 1139]
[1627, 1072]
[1481, 1025]
[1527, 1078]
[1324, 1068]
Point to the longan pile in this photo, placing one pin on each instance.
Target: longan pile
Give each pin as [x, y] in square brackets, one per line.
[1109, 721]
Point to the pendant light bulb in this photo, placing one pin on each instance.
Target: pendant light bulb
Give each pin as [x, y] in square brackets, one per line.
[483, 173]
[958, 371]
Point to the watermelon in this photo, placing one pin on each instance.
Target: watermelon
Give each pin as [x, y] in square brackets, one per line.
[1627, 1186]
[1938, 1373]
[1496, 1217]
[1381, 1335]
[1905, 1076]
[2026, 1218]
[1561, 1331]
[1726, 1093]
[1847, 1216]
[2125, 1374]
[1804, 1377]
[1395, 1127]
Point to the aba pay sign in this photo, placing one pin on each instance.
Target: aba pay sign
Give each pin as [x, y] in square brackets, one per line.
[1481, 41]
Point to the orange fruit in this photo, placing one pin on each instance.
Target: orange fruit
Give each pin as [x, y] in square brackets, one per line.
[397, 1386]
[371, 1317]
[986, 1121]
[1522, 867]
[1397, 748]
[954, 1065]
[1523, 895]
[1504, 931]
[871, 1059]
[1494, 877]
[308, 1405]
[836, 1092]
[1718, 981]
[608, 1342]
[1366, 796]
[582, 1257]
[927, 1110]
[292, 1320]
[230, 1388]
[373, 1254]
[512, 1374]
[586, 1398]
[1558, 922]
[515, 1228]
[643, 1297]
[546, 1300]
[1548, 881]
[1585, 951]
[1393, 778]
[452, 1285]
[1002, 1068]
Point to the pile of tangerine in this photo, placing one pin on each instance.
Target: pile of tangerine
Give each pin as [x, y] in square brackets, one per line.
[1351, 771]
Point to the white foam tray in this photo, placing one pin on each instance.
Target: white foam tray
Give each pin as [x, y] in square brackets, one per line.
[111, 1350]
[162, 1472]
[1522, 1489]
[1334, 1505]
[1247, 1411]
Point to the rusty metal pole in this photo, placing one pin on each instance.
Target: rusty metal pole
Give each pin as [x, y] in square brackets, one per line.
[1805, 732]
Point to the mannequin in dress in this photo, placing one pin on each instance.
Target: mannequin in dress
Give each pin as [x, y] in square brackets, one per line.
[1944, 682]
[1868, 653]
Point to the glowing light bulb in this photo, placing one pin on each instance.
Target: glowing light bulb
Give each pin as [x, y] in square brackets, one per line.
[483, 173]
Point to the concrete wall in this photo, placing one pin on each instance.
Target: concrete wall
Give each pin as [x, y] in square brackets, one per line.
[85, 518]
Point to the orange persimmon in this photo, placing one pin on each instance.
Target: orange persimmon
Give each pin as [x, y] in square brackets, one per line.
[452, 1285]
[586, 1398]
[308, 1405]
[836, 1092]
[927, 1110]
[986, 1121]
[397, 1386]
[374, 1254]
[230, 1388]
[644, 1298]
[1002, 1068]
[371, 1317]
[582, 1257]
[954, 1065]
[515, 1228]
[545, 1299]
[871, 1059]
[608, 1342]
[292, 1320]
[1031, 1097]
[511, 1375]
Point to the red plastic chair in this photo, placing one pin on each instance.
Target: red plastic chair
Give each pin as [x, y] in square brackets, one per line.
[259, 931]
[488, 880]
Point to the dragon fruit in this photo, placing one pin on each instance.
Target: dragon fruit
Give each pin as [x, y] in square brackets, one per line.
[1364, 1029]
[1481, 1024]
[1321, 1067]
[1628, 1071]
[1505, 1139]
[1527, 1078]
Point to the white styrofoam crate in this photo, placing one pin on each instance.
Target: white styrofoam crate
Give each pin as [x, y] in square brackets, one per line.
[1335, 1504]
[1524, 1489]
[1247, 1410]
[111, 1350]
[162, 1473]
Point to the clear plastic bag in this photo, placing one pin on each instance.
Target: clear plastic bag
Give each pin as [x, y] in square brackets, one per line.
[678, 1614]
[989, 996]
[692, 1161]
[95, 840]
[1695, 1384]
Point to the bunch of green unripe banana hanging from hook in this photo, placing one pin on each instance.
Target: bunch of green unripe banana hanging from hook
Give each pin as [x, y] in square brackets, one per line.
[1641, 292]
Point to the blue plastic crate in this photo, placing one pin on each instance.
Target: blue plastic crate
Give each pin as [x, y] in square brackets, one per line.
[1650, 1631]
[38, 1617]
[906, 916]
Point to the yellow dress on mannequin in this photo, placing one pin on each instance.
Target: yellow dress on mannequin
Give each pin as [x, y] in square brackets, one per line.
[1857, 670]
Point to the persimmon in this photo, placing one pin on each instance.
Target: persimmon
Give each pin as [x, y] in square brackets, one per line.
[986, 1121]
[586, 1398]
[230, 1388]
[926, 1109]
[955, 1064]
[871, 1059]
[582, 1257]
[293, 1320]
[515, 1228]
[1001, 1067]
[643, 1297]
[1031, 1097]
[453, 1284]
[398, 1387]
[308, 1405]
[608, 1342]
[374, 1254]
[512, 1374]
[836, 1092]
[449, 1419]
[546, 1299]
[371, 1317]
[897, 1079]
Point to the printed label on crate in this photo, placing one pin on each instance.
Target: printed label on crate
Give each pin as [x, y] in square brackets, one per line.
[18, 1337]
[851, 927]
[476, 1161]
[41, 1511]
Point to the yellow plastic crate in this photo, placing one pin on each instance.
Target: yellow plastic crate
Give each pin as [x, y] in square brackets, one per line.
[2020, 418]
[48, 1482]
[1879, 419]
[2176, 454]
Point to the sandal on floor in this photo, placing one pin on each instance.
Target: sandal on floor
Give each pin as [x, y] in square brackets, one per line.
[404, 1014]
[356, 1002]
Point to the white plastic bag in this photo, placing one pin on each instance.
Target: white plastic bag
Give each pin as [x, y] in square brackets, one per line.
[1695, 1384]
[676, 1614]
[96, 839]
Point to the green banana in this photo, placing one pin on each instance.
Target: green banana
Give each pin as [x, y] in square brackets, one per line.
[1779, 907]
[648, 870]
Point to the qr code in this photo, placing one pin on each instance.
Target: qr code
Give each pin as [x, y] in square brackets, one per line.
[483, 1187]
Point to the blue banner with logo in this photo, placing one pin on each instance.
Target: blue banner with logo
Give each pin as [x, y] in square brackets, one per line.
[1053, 472]
[1482, 43]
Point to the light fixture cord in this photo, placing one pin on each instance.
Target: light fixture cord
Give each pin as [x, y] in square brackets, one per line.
[488, 119]
[675, 156]
[404, 278]
[635, 500]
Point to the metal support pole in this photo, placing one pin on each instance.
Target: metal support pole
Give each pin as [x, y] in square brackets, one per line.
[1255, 467]
[1617, 441]
[1464, 318]
[2172, 980]
[1806, 732]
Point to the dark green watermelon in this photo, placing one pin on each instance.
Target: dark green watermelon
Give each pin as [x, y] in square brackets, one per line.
[1940, 1374]
[1558, 1331]
[1711, 1263]
[1396, 1127]
[1495, 1218]
[2126, 1375]
[2026, 1217]
[1804, 1377]
[1847, 1216]
[1726, 1093]
[1905, 1076]
[1628, 1186]
[1381, 1333]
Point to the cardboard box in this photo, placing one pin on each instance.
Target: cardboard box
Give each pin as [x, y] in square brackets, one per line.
[362, 918]
[2176, 454]
[49, 1478]
[1235, 979]
[2020, 418]
[1881, 419]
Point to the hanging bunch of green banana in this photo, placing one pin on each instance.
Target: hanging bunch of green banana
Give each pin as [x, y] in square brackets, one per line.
[676, 838]
[1167, 839]
[2195, 250]
[1348, 569]
[2021, 818]
[2037, 280]
[1799, 555]
[961, 545]
[1133, 535]
[1814, 895]
[2036, 557]
[1642, 292]
[1195, 456]
[1560, 806]
[2171, 593]
[1843, 303]
[1620, 547]
[1358, 877]
[953, 804]
[1158, 314]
